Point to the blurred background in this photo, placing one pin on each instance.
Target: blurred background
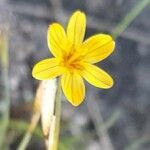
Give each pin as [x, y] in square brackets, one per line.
[115, 119]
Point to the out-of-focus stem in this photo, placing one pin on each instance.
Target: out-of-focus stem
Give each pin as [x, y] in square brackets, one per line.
[34, 120]
[4, 83]
[21, 126]
[129, 17]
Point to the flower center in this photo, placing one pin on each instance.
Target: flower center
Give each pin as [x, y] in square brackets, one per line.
[72, 61]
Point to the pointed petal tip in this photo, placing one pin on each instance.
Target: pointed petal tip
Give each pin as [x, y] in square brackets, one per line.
[73, 88]
[76, 28]
[96, 76]
[98, 47]
[111, 83]
[34, 72]
[76, 104]
[79, 11]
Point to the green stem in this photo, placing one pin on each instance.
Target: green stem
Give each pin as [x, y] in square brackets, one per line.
[34, 120]
[25, 141]
[21, 126]
[4, 84]
[129, 17]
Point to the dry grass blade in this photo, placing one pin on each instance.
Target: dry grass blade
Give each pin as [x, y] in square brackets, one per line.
[34, 120]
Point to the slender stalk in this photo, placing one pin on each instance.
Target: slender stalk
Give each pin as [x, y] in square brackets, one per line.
[129, 17]
[55, 126]
[4, 83]
[20, 126]
[25, 141]
[34, 120]
[27, 137]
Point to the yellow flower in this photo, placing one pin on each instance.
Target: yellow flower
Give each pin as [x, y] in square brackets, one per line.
[74, 58]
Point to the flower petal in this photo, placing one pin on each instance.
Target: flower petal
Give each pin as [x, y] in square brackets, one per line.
[96, 76]
[76, 28]
[98, 47]
[73, 88]
[47, 69]
[56, 39]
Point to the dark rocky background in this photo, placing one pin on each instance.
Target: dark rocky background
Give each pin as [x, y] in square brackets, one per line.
[129, 65]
